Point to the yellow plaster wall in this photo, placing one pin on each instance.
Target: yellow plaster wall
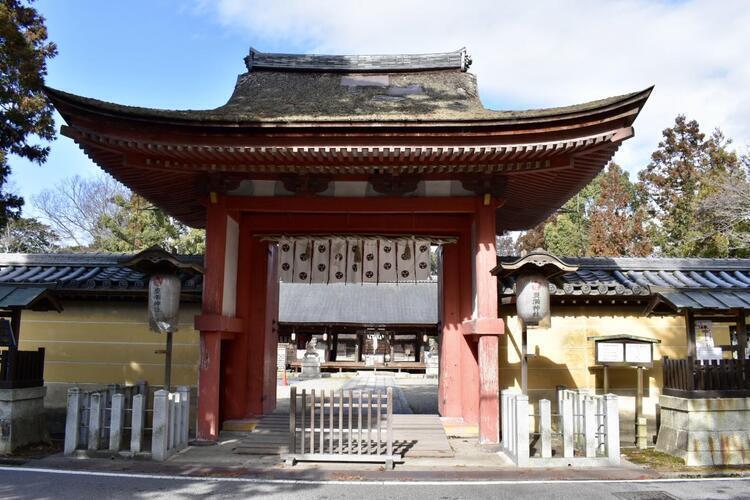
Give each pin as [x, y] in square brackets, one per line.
[110, 342]
[565, 357]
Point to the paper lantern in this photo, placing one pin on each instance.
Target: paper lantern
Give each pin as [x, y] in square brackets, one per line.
[532, 298]
[163, 302]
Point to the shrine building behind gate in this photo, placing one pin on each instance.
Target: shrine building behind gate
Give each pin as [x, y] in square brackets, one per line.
[356, 154]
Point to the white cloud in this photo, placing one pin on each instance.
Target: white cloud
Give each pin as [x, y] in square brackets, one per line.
[542, 53]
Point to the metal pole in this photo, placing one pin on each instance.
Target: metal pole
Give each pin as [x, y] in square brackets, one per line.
[741, 335]
[168, 364]
[606, 379]
[524, 362]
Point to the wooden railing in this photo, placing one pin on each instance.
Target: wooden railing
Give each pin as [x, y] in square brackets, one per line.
[341, 426]
[21, 369]
[689, 378]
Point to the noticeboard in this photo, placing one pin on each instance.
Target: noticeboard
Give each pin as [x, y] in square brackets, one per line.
[7, 338]
[624, 352]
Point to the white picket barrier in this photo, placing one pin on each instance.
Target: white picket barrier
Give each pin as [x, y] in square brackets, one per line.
[587, 423]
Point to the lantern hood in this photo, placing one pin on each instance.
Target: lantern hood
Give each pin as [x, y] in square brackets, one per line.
[156, 260]
[537, 261]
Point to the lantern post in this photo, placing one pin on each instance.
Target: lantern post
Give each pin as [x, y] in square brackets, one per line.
[531, 274]
[164, 271]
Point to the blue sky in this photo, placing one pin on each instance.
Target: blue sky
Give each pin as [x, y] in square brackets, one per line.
[187, 54]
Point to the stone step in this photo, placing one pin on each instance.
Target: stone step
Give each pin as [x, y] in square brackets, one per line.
[248, 425]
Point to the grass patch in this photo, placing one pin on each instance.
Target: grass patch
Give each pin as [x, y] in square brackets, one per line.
[654, 459]
[662, 462]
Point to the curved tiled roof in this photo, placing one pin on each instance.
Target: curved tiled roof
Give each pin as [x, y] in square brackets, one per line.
[83, 272]
[628, 276]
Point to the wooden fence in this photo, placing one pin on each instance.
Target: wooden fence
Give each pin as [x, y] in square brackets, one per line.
[587, 430]
[21, 369]
[341, 426]
[689, 378]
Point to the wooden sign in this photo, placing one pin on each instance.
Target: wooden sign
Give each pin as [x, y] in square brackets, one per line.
[281, 356]
[7, 338]
[609, 352]
[624, 352]
[638, 353]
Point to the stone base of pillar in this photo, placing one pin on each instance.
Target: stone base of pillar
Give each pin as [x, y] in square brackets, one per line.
[22, 419]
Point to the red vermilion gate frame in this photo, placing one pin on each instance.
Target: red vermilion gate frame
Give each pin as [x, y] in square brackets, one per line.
[240, 298]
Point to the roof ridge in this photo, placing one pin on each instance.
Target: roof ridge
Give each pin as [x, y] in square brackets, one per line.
[458, 59]
[77, 258]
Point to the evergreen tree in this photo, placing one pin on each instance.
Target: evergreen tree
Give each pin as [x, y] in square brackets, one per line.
[686, 169]
[138, 225]
[25, 112]
[617, 223]
[28, 236]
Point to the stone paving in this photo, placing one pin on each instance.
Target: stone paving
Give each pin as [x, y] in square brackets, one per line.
[380, 382]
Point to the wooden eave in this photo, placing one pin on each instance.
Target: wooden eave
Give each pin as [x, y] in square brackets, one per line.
[71, 106]
[174, 163]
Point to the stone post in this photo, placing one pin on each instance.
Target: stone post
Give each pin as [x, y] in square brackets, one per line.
[73, 420]
[184, 392]
[174, 401]
[117, 416]
[612, 424]
[545, 427]
[522, 430]
[137, 421]
[566, 413]
[95, 421]
[160, 436]
[589, 425]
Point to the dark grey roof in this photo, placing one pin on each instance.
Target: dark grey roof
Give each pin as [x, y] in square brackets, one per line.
[34, 298]
[627, 276]
[457, 59]
[696, 299]
[83, 272]
[375, 304]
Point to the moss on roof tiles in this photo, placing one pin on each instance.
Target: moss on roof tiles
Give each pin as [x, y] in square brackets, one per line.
[288, 96]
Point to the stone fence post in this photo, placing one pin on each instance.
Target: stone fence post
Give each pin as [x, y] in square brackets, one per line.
[568, 427]
[184, 392]
[522, 430]
[160, 433]
[116, 421]
[73, 420]
[138, 418]
[545, 427]
[612, 424]
[95, 421]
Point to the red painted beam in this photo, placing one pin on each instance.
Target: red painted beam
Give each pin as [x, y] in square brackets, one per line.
[300, 223]
[372, 205]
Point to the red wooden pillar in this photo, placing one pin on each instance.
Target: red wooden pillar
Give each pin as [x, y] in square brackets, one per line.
[449, 389]
[217, 320]
[209, 373]
[261, 327]
[470, 369]
[485, 327]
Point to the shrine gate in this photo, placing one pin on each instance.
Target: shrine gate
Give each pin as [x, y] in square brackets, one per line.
[352, 147]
